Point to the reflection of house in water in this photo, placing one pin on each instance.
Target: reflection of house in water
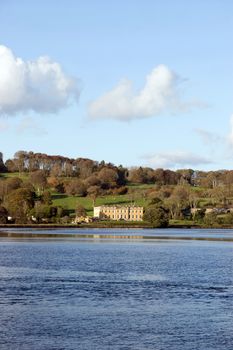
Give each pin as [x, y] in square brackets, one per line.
[127, 213]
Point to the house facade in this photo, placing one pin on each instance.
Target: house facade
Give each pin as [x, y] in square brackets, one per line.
[127, 213]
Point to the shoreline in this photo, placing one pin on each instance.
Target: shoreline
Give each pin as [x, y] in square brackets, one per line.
[113, 225]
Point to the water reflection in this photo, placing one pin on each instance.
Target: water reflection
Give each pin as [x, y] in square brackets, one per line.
[98, 233]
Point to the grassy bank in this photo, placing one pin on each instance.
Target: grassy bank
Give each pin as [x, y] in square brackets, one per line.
[71, 202]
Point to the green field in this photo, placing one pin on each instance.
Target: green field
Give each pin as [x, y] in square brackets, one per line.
[135, 196]
[71, 202]
[23, 176]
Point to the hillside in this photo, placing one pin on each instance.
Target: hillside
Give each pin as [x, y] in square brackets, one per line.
[44, 188]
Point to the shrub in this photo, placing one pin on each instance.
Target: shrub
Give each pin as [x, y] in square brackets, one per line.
[157, 216]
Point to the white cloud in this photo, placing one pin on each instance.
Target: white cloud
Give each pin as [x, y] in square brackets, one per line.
[160, 94]
[29, 124]
[40, 86]
[209, 138]
[175, 160]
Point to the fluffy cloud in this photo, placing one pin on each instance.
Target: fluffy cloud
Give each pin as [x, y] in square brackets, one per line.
[40, 86]
[159, 94]
[175, 160]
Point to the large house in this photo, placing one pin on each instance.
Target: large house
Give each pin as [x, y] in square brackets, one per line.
[127, 213]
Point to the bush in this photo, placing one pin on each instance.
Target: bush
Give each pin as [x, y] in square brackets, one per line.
[3, 215]
[80, 211]
[120, 190]
[228, 219]
[199, 215]
[211, 219]
[157, 216]
[76, 187]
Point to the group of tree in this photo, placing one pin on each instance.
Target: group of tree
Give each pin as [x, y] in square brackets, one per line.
[94, 172]
[25, 201]
[172, 194]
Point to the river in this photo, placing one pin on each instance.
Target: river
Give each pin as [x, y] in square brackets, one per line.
[116, 294]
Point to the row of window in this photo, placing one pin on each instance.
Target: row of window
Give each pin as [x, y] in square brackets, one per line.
[126, 217]
[121, 212]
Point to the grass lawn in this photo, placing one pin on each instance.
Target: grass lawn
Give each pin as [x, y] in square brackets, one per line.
[181, 223]
[71, 202]
[22, 176]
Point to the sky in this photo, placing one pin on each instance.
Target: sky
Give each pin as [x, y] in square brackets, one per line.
[136, 82]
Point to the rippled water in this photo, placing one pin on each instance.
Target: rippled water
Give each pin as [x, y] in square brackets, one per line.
[119, 295]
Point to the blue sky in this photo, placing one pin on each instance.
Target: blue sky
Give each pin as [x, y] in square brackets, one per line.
[132, 82]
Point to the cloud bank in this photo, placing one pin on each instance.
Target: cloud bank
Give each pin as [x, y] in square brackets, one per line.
[175, 160]
[40, 86]
[159, 94]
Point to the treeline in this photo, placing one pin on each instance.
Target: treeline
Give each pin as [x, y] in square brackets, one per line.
[83, 168]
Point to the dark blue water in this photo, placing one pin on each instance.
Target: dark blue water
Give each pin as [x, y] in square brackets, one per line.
[128, 295]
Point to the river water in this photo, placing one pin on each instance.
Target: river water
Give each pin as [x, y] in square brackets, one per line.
[205, 233]
[162, 295]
